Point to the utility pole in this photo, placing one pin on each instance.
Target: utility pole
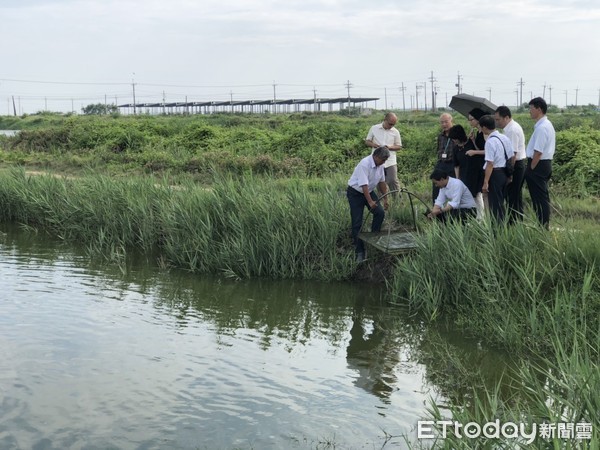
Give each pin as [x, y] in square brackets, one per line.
[576, 95]
[544, 91]
[274, 97]
[517, 92]
[385, 97]
[72, 106]
[402, 89]
[566, 101]
[348, 86]
[417, 87]
[550, 91]
[133, 89]
[14, 106]
[45, 104]
[315, 99]
[490, 94]
[163, 103]
[458, 83]
[521, 83]
[432, 80]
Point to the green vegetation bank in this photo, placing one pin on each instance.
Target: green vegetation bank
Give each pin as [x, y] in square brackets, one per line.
[264, 196]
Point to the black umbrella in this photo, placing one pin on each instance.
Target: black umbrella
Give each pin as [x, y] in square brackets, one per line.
[464, 103]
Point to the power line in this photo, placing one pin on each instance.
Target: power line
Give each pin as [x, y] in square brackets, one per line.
[62, 82]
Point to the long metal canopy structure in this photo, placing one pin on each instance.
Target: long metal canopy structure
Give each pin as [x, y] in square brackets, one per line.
[248, 106]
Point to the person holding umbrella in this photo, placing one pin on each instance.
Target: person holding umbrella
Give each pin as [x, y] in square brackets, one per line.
[468, 169]
[477, 154]
[473, 108]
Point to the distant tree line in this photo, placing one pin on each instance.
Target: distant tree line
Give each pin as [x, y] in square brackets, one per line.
[100, 109]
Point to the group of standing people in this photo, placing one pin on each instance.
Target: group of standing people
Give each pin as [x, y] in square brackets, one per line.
[479, 160]
[471, 169]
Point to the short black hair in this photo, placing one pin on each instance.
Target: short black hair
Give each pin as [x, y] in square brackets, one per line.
[504, 111]
[457, 132]
[540, 103]
[488, 122]
[438, 174]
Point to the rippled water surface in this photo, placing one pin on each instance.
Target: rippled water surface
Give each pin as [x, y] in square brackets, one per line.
[94, 357]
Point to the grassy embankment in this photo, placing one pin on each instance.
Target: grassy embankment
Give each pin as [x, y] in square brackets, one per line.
[534, 293]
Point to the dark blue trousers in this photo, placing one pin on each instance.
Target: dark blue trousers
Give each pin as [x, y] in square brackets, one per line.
[514, 192]
[537, 183]
[496, 194]
[357, 203]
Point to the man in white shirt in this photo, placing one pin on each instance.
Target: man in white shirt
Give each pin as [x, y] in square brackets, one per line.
[498, 149]
[454, 199]
[384, 134]
[540, 152]
[513, 131]
[367, 176]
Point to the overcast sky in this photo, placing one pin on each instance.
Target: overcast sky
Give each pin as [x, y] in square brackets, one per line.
[59, 54]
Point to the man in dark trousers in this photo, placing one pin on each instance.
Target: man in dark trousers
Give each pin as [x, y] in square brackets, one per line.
[454, 199]
[498, 149]
[367, 176]
[514, 132]
[540, 151]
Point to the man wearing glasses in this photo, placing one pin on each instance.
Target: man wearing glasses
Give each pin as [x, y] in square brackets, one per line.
[385, 134]
[445, 152]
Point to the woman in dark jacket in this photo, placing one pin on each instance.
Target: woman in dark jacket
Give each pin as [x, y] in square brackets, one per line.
[468, 167]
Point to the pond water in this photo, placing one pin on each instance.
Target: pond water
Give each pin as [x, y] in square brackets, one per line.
[99, 357]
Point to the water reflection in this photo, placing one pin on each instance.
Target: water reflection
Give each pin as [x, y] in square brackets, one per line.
[373, 353]
[97, 357]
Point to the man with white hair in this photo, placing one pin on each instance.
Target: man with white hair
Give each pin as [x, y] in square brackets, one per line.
[445, 152]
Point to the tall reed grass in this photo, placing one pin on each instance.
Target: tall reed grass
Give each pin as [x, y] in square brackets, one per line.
[497, 281]
[244, 227]
[523, 289]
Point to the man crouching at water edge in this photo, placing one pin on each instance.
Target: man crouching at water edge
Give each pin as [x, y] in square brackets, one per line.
[367, 176]
[454, 200]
